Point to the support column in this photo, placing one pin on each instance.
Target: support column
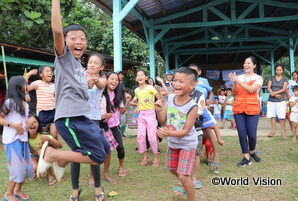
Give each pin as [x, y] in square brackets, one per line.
[166, 55]
[272, 63]
[291, 54]
[117, 35]
[151, 50]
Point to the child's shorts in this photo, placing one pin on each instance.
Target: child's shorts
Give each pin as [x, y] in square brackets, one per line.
[46, 117]
[19, 161]
[228, 115]
[217, 116]
[200, 144]
[208, 119]
[83, 135]
[294, 117]
[180, 160]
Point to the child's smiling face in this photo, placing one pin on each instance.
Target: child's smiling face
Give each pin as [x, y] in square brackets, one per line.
[141, 77]
[77, 42]
[47, 74]
[182, 84]
[94, 65]
[34, 128]
[113, 81]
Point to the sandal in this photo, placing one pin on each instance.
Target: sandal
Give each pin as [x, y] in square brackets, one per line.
[155, 164]
[121, 173]
[100, 195]
[221, 127]
[214, 167]
[23, 197]
[52, 182]
[208, 162]
[111, 181]
[271, 134]
[77, 197]
[144, 161]
[179, 190]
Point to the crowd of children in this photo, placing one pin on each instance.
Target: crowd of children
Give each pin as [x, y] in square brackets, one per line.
[84, 107]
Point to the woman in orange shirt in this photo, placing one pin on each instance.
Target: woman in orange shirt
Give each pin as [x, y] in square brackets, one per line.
[246, 109]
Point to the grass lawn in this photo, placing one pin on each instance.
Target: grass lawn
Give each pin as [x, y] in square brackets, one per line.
[279, 161]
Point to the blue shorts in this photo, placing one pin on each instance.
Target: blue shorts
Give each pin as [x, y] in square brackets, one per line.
[227, 115]
[82, 135]
[46, 117]
[217, 116]
[208, 119]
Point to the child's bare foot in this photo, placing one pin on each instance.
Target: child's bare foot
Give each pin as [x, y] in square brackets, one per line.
[284, 136]
[294, 139]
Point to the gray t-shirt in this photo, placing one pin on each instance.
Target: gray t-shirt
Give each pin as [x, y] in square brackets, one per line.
[276, 86]
[71, 88]
[176, 119]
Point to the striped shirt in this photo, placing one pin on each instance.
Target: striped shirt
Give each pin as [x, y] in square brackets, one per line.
[45, 94]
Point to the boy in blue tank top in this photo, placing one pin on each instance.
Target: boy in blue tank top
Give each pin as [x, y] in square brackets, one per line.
[179, 117]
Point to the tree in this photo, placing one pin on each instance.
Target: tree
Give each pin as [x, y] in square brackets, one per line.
[27, 22]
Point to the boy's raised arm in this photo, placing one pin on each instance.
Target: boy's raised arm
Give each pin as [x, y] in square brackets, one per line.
[57, 27]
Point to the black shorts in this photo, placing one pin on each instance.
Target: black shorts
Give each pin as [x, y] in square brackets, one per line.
[83, 135]
[46, 117]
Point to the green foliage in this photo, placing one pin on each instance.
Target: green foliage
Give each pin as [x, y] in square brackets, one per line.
[266, 74]
[28, 23]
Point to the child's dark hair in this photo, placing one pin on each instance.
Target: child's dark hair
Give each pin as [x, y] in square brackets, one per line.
[15, 93]
[119, 95]
[73, 27]
[188, 71]
[279, 65]
[295, 88]
[216, 98]
[195, 65]
[41, 69]
[39, 129]
[229, 89]
[103, 60]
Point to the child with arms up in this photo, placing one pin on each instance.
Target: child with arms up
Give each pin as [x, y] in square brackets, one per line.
[71, 93]
[179, 115]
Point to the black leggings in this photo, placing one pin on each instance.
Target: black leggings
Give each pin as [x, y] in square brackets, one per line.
[118, 137]
[75, 175]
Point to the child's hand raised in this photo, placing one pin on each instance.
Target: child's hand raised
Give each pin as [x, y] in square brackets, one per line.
[159, 104]
[32, 72]
[157, 88]
[162, 132]
[159, 79]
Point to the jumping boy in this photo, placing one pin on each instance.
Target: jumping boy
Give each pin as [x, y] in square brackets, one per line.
[81, 134]
[179, 116]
